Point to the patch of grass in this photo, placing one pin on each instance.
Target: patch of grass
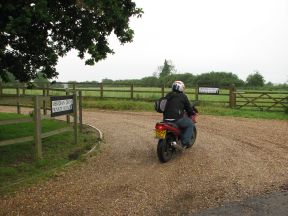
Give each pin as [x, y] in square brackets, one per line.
[8, 116]
[18, 166]
[226, 111]
[204, 108]
[119, 104]
[27, 128]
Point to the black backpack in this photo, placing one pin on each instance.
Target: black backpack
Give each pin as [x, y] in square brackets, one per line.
[160, 104]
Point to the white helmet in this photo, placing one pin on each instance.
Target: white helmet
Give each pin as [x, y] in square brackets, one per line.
[178, 86]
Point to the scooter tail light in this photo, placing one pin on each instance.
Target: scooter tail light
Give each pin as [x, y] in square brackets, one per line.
[160, 127]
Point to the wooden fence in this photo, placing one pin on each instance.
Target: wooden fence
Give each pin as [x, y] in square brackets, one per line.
[229, 96]
[37, 117]
[260, 100]
[100, 90]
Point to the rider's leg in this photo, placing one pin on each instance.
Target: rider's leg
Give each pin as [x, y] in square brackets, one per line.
[186, 124]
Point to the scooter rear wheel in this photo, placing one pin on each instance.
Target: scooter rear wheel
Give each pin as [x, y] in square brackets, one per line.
[164, 150]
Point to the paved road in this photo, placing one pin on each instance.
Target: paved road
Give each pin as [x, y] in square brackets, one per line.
[233, 159]
[274, 204]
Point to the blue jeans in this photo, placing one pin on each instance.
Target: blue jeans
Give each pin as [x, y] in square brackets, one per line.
[186, 126]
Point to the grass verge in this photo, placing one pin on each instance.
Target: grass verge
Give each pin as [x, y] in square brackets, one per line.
[18, 167]
[204, 108]
[119, 104]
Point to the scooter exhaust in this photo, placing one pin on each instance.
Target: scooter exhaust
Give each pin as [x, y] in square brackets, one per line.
[177, 146]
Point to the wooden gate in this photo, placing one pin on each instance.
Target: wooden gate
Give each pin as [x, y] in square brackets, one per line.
[264, 101]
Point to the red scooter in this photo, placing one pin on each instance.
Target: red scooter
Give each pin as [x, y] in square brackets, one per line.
[169, 136]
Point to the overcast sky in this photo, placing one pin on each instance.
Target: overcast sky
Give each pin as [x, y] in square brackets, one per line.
[198, 36]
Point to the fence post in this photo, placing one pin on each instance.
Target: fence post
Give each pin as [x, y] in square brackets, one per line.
[232, 96]
[44, 101]
[101, 90]
[67, 116]
[96, 90]
[196, 92]
[80, 111]
[48, 89]
[48, 92]
[1, 88]
[132, 89]
[75, 117]
[163, 90]
[24, 89]
[37, 123]
[18, 97]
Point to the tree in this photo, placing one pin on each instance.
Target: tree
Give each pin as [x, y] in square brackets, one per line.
[150, 81]
[255, 80]
[41, 80]
[9, 77]
[107, 81]
[33, 34]
[269, 84]
[167, 69]
[218, 79]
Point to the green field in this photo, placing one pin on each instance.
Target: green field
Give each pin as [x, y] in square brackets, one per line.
[123, 92]
[205, 108]
[153, 93]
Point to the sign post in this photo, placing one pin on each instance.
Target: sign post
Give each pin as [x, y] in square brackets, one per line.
[196, 92]
[80, 111]
[75, 117]
[63, 105]
[37, 133]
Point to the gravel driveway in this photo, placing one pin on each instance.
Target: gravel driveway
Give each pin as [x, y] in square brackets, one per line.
[233, 159]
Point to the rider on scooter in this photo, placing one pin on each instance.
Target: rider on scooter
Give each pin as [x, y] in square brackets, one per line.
[177, 104]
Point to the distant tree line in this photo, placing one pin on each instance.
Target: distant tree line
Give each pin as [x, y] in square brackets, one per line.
[217, 79]
[190, 80]
[167, 74]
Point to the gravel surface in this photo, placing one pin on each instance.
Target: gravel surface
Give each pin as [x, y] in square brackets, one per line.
[232, 160]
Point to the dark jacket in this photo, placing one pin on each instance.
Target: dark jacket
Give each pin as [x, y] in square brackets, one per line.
[176, 105]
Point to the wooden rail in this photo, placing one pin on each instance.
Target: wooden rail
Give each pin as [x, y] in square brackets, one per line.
[264, 101]
[15, 121]
[235, 99]
[37, 117]
[101, 91]
[31, 138]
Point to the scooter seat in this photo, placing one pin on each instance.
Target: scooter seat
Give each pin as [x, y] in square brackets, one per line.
[171, 123]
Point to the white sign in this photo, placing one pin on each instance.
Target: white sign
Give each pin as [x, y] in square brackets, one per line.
[208, 90]
[61, 105]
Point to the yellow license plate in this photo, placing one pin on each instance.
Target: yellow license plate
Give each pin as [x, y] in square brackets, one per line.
[160, 134]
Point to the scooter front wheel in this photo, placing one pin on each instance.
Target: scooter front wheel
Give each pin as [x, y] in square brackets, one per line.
[164, 150]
